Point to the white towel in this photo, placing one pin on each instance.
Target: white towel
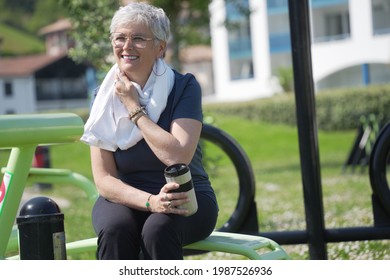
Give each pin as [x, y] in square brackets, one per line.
[108, 126]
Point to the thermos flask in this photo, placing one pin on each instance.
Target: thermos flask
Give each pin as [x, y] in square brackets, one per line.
[180, 173]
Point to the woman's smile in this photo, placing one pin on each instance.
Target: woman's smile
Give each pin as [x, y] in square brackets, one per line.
[130, 58]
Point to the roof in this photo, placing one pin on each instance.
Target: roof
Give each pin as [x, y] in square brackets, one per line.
[25, 65]
[59, 25]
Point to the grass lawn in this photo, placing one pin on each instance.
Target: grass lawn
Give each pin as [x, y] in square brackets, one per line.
[13, 38]
[274, 154]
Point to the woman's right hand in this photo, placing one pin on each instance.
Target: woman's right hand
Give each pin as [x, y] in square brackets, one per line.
[126, 92]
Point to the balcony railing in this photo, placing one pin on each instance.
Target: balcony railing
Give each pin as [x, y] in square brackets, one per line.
[337, 37]
[280, 42]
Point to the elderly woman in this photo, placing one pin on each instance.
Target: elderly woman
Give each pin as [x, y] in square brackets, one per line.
[144, 118]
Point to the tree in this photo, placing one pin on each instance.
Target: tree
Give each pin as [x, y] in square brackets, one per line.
[45, 12]
[189, 24]
[29, 15]
[91, 20]
[16, 13]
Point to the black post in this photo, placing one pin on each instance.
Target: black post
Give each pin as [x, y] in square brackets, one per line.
[41, 230]
[307, 128]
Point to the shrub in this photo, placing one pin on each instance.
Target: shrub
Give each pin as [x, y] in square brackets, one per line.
[339, 109]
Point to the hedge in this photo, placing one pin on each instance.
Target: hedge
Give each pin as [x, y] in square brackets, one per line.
[339, 109]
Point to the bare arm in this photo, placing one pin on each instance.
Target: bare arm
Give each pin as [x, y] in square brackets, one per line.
[107, 182]
[176, 146]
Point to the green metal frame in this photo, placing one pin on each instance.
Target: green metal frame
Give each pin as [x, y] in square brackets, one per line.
[23, 133]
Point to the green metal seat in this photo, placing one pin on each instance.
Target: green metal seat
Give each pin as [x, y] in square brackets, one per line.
[251, 246]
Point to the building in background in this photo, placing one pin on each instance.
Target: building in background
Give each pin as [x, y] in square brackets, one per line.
[350, 45]
[198, 61]
[50, 81]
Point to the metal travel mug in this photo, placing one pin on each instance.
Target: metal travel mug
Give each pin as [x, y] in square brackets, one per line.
[180, 173]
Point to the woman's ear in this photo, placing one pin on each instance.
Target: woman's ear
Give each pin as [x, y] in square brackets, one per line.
[161, 49]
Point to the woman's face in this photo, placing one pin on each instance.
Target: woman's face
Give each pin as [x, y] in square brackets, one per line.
[135, 51]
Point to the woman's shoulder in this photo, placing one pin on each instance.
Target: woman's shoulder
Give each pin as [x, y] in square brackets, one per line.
[186, 80]
[183, 78]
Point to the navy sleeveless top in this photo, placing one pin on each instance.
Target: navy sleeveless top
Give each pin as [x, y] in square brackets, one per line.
[139, 167]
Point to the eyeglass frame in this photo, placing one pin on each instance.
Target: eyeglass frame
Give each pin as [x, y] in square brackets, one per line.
[131, 38]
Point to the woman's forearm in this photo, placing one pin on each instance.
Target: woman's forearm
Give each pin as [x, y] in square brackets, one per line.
[176, 146]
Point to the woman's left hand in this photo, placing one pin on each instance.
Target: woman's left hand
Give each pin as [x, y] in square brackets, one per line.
[167, 202]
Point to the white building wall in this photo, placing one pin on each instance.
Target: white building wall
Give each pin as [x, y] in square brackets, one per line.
[262, 84]
[327, 57]
[261, 53]
[219, 46]
[22, 100]
[362, 47]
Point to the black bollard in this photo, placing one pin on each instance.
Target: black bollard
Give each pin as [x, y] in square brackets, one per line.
[41, 230]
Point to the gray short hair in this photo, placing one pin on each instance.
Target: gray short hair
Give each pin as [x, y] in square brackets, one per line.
[155, 18]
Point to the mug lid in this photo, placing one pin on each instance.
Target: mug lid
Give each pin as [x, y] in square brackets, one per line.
[176, 170]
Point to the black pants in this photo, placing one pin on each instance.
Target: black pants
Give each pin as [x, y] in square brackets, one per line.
[123, 232]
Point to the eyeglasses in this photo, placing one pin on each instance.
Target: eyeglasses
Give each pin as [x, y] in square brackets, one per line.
[119, 40]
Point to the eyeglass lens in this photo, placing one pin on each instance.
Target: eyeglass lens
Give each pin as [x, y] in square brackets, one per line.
[119, 41]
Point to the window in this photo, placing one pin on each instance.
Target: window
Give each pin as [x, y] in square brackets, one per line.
[381, 16]
[8, 90]
[337, 25]
[330, 20]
